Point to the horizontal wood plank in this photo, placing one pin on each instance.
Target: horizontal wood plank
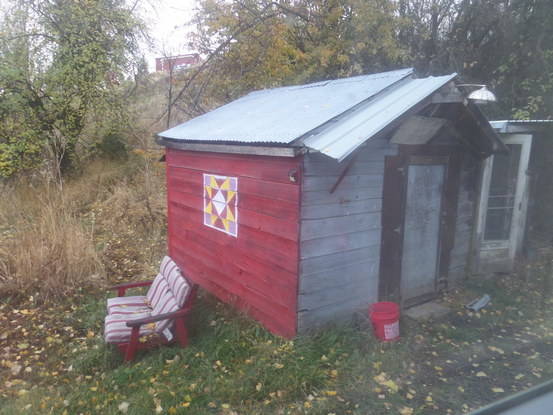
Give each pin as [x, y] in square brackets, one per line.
[279, 226]
[338, 260]
[350, 275]
[339, 243]
[321, 228]
[336, 312]
[247, 286]
[311, 183]
[323, 197]
[190, 181]
[341, 209]
[266, 247]
[274, 169]
[345, 294]
[322, 168]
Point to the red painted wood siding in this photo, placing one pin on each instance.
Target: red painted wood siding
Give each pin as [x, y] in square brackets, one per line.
[258, 270]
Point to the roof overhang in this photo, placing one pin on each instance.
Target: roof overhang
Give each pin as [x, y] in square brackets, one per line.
[477, 133]
[233, 148]
[521, 126]
[376, 116]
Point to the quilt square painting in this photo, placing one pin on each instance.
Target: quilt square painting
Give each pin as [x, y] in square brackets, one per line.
[220, 203]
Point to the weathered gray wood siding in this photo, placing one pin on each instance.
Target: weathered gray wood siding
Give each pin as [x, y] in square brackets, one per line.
[468, 199]
[340, 236]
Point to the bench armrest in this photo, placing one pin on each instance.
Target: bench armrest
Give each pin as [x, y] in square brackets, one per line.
[121, 288]
[166, 316]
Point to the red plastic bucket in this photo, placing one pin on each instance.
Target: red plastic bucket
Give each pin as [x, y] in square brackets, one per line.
[384, 318]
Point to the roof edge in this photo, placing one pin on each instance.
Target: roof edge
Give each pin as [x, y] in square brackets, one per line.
[234, 148]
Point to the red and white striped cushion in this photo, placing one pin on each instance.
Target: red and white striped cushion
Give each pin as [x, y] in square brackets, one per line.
[178, 286]
[121, 303]
[166, 264]
[158, 288]
[167, 304]
[116, 330]
[129, 310]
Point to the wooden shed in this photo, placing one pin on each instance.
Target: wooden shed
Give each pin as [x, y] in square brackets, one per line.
[302, 205]
[516, 195]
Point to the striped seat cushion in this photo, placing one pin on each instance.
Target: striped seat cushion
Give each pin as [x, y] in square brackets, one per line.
[126, 310]
[178, 286]
[157, 290]
[118, 305]
[166, 265]
[116, 330]
[167, 304]
[139, 303]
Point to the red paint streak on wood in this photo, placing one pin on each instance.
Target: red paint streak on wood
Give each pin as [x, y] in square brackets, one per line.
[256, 271]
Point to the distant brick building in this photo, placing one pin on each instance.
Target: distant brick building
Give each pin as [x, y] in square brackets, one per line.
[176, 62]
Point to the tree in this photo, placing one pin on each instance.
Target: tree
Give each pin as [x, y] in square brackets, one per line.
[258, 44]
[60, 66]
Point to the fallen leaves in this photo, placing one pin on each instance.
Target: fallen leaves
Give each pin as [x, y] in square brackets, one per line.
[384, 380]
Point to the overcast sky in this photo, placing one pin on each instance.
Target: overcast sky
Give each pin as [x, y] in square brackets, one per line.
[167, 19]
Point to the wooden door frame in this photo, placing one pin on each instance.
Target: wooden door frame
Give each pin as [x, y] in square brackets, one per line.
[393, 211]
[518, 221]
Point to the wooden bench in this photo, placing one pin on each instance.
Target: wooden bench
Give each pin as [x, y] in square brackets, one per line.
[140, 322]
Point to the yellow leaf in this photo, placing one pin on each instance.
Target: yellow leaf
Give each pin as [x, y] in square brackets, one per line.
[258, 387]
[429, 398]
[90, 334]
[331, 393]
[159, 409]
[406, 411]
[496, 349]
[94, 388]
[498, 390]
[186, 404]
[124, 407]
[391, 385]
[172, 410]
[438, 368]
[225, 406]
[481, 375]
[519, 376]
[278, 366]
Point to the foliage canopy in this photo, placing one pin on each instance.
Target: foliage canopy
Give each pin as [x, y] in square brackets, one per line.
[60, 66]
[248, 45]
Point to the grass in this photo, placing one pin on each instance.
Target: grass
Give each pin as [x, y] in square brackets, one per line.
[234, 366]
[53, 359]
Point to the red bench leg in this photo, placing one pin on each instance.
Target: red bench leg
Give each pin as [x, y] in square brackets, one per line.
[181, 331]
[133, 343]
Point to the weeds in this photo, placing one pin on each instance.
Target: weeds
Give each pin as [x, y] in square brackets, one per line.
[57, 238]
[47, 252]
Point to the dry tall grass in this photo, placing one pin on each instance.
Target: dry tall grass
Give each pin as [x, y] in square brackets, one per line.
[56, 238]
[45, 251]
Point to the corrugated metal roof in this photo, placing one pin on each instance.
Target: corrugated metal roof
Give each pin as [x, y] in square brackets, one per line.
[509, 126]
[342, 138]
[283, 115]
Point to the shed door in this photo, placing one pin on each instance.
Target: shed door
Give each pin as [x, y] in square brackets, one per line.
[421, 234]
[503, 205]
